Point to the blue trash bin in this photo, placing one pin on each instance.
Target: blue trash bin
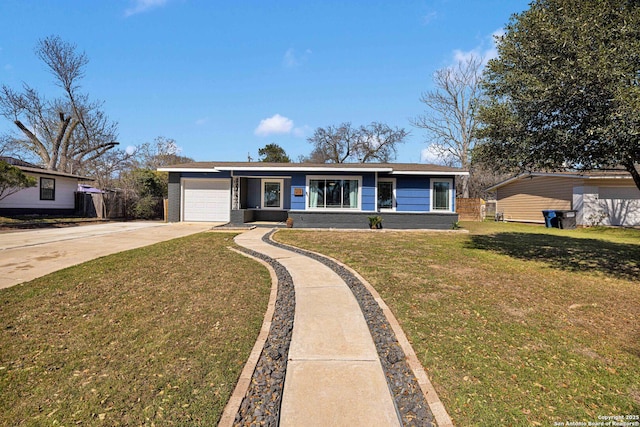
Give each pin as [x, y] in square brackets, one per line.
[550, 219]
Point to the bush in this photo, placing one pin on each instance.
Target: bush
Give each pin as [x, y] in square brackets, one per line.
[148, 207]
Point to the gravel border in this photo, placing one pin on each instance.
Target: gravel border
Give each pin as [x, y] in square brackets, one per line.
[409, 399]
[261, 405]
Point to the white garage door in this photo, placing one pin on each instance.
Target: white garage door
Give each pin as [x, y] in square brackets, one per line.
[206, 200]
[621, 204]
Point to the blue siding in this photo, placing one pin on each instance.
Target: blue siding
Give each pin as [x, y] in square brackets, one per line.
[412, 194]
[298, 180]
[286, 196]
[369, 202]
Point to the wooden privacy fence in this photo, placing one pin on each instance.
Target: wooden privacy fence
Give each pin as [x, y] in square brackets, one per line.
[100, 205]
[470, 209]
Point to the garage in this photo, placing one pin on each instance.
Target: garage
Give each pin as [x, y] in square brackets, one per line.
[206, 199]
[621, 205]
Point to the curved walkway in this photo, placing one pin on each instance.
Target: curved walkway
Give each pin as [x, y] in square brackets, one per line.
[334, 374]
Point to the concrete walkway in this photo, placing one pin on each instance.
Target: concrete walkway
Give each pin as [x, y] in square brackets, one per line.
[334, 376]
[26, 255]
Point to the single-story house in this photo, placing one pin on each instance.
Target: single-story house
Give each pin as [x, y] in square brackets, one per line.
[341, 195]
[54, 193]
[598, 197]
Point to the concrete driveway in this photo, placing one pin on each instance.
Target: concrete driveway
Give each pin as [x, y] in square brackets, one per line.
[25, 255]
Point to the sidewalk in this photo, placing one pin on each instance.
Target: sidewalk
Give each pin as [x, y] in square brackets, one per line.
[334, 376]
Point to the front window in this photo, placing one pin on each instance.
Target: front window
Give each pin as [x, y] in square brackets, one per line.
[47, 189]
[441, 194]
[272, 194]
[334, 193]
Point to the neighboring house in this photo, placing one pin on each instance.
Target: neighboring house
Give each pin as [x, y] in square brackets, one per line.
[54, 192]
[599, 197]
[341, 195]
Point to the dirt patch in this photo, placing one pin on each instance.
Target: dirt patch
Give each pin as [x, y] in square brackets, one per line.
[518, 312]
[53, 255]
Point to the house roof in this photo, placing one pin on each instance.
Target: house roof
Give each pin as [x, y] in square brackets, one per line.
[30, 167]
[392, 168]
[16, 162]
[596, 174]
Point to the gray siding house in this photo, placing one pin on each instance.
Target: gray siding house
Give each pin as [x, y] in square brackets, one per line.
[408, 196]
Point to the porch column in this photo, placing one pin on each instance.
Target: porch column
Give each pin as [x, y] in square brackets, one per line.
[235, 193]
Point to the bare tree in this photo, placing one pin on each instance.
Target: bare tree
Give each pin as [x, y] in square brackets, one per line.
[161, 152]
[68, 131]
[450, 119]
[376, 142]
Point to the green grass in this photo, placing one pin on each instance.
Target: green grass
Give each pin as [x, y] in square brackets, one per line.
[516, 324]
[153, 336]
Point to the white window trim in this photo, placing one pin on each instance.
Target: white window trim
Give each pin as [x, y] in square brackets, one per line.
[432, 198]
[393, 203]
[330, 177]
[264, 181]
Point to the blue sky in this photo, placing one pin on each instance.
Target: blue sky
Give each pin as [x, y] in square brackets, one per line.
[226, 78]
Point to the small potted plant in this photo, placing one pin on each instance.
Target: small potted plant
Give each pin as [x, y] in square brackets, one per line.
[375, 222]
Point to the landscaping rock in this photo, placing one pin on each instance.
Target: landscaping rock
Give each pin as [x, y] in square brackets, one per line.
[261, 405]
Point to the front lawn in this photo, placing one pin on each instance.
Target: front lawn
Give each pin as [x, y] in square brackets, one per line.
[153, 336]
[516, 324]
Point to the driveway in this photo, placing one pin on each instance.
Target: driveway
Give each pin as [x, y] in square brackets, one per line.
[26, 255]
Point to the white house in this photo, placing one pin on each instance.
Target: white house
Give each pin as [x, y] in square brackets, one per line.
[54, 192]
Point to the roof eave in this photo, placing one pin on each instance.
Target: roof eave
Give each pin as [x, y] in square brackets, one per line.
[170, 169]
[436, 173]
[53, 173]
[555, 175]
[304, 169]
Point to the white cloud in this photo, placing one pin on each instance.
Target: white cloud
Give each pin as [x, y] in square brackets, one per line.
[141, 6]
[436, 154]
[428, 155]
[429, 17]
[202, 121]
[486, 49]
[289, 59]
[300, 132]
[492, 52]
[276, 124]
[292, 59]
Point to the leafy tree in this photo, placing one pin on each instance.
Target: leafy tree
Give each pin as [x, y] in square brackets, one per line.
[450, 119]
[12, 180]
[144, 190]
[143, 185]
[273, 153]
[376, 142]
[65, 132]
[565, 89]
